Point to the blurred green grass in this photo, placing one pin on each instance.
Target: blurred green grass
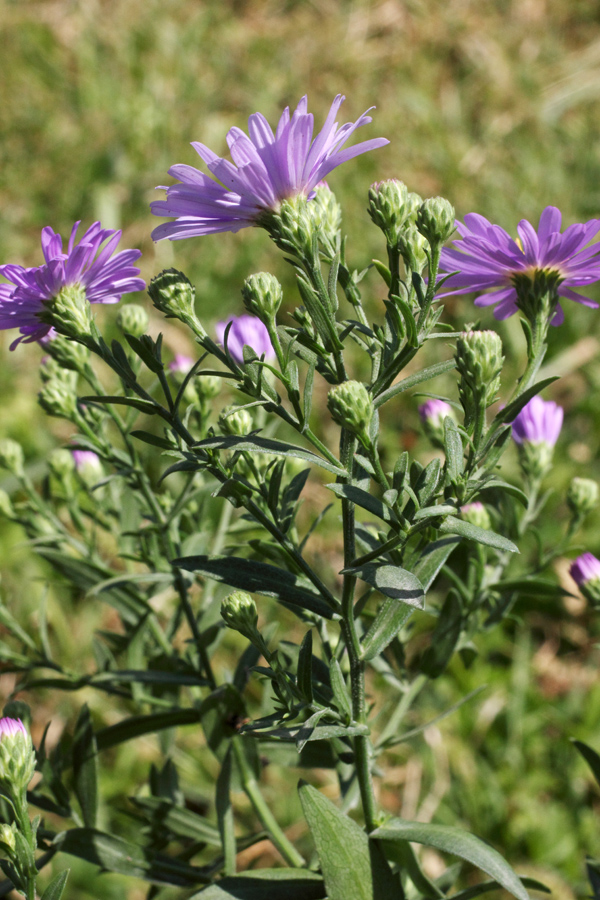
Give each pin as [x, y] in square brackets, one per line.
[495, 105]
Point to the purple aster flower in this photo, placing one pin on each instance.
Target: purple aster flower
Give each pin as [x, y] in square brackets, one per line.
[267, 168]
[539, 422]
[245, 330]
[488, 259]
[104, 277]
[84, 458]
[433, 412]
[585, 568]
[11, 727]
[181, 364]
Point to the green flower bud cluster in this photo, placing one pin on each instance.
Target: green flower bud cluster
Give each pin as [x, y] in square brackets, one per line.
[351, 406]
[209, 386]
[70, 312]
[173, 294]
[68, 354]
[479, 361]
[326, 214]
[582, 496]
[238, 611]
[262, 295]
[392, 207]
[58, 399]
[413, 248]
[133, 319]
[11, 457]
[435, 220]
[235, 421]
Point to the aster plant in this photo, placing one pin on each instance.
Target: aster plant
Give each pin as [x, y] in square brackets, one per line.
[204, 460]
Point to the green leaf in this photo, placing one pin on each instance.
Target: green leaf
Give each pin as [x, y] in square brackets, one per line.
[258, 578]
[144, 406]
[138, 725]
[591, 758]
[85, 767]
[353, 867]
[445, 637]
[224, 811]
[179, 820]
[365, 500]
[340, 691]
[392, 581]
[56, 887]
[390, 618]
[510, 489]
[459, 843]
[454, 451]
[433, 558]
[148, 438]
[531, 587]
[452, 525]
[258, 444]
[266, 884]
[413, 380]
[113, 854]
[486, 886]
[304, 670]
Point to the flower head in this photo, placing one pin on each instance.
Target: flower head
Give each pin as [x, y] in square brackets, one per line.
[488, 259]
[267, 168]
[181, 364]
[435, 411]
[584, 569]
[539, 422]
[17, 757]
[10, 727]
[88, 264]
[245, 331]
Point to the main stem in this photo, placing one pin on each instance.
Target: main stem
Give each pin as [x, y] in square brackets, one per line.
[362, 745]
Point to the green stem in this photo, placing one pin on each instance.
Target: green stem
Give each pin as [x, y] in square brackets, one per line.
[267, 819]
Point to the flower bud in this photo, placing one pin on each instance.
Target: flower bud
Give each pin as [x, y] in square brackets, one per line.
[8, 837]
[69, 312]
[209, 386]
[17, 756]
[351, 406]
[432, 413]
[88, 466]
[6, 507]
[238, 611]
[61, 464]
[389, 207]
[479, 361]
[435, 220]
[262, 295]
[69, 354]
[582, 496]
[326, 214]
[476, 514]
[293, 227]
[413, 249]
[132, 319]
[179, 366]
[173, 294]
[11, 456]
[585, 572]
[535, 431]
[235, 421]
[58, 399]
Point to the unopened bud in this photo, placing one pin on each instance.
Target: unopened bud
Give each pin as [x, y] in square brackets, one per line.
[235, 421]
[351, 406]
[88, 466]
[432, 413]
[61, 464]
[209, 386]
[585, 572]
[132, 319]
[58, 399]
[582, 496]
[17, 757]
[388, 207]
[435, 220]
[173, 294]
[8, 837]
[6, 507]
[413, 249]
[479, 361]
[476, 514]
[67, 353]
[11, 456]
[238, 611]
[262, 295]
[326, 214]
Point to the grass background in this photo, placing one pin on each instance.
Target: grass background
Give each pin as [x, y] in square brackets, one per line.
[494, 105]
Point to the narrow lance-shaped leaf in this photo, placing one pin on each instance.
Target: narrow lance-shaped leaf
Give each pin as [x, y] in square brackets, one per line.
[85, 767]
[452, 525]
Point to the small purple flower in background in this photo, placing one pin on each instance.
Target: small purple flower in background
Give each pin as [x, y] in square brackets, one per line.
[267, 168]
[539, 422]
[535, 431]
[488, 259]
[435, 411]
[88, 466]
[103, 276]
[585, 572]
[476, 514]
[11, 727]
[245, 330]
[181, 364]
